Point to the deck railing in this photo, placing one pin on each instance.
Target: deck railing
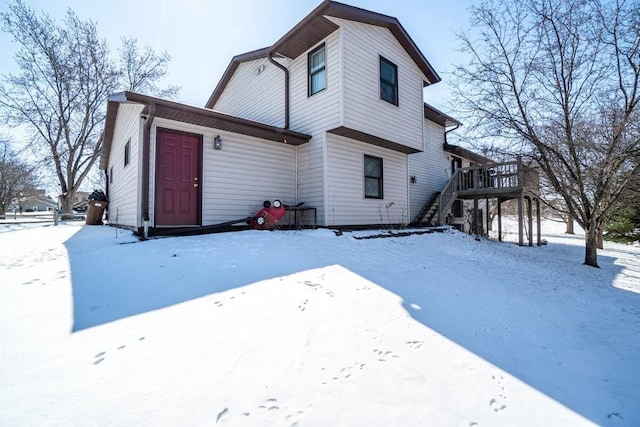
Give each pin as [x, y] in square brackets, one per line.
[447, 196]
[487, 180]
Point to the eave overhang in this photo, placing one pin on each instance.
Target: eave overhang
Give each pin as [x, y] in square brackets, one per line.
[315, 27]
[439, 117]
[467, 154]
[372, 139]
[193, 115]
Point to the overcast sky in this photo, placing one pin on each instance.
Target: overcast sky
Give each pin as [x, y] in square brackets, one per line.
[203, 35]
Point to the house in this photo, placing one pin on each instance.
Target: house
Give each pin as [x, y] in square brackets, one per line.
[331, 115]
[80, 201]
[38, 201]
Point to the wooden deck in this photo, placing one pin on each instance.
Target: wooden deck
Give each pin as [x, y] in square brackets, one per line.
[508, 180]
[502, 181]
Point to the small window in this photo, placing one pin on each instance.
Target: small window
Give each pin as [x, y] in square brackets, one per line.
[373, 177]
[111, 175]
[317, 70]
[388, 81]
[127, 153]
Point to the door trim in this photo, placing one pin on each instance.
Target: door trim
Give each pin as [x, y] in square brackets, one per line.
[200, 173]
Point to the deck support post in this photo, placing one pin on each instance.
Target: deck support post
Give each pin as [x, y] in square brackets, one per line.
[530, 219]
[499, 220]
[486, 206]
[520, 225]
[476, 220]
[539, 242]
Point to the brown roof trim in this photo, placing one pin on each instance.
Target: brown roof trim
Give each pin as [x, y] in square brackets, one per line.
[315, 27]
[439, 117]
[467, 154]
[307, 33]
[231, 68]
[372, 139]
[194, 115]
[288, 46]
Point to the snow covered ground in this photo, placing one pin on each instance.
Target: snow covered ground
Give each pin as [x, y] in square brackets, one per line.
[308, 328]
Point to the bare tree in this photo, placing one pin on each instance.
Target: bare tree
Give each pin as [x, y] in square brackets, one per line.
[557, 80]
[17, 178]
[142, 68]
[66, 74]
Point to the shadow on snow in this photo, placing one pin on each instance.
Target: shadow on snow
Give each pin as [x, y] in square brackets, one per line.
[551, 327]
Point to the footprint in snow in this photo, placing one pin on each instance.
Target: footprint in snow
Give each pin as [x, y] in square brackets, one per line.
[293, 420]
[269, 405]
[493, 403]
[98, 358]
[383, 356]
[497, 404]
[222, 415]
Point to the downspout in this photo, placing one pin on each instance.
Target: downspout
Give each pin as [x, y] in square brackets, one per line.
[106, 178]
[450, 130]
[146, 148]
[446, 144]
[286, 88]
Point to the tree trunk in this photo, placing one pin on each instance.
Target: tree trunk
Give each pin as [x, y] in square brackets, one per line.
[591, 247]
[66, 203]
[599, 239]
[569, 223]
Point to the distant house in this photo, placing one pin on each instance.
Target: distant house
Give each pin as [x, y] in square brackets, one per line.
[38, 202]
[331, 115]
[79, 201]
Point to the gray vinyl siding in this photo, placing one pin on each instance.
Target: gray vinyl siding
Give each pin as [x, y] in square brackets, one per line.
[431, 167]
[310, 176]
[255, 95]
[314, 115]
[363, 108]
[247, 171]
[345, 184]
[238, 178]
[124, 191]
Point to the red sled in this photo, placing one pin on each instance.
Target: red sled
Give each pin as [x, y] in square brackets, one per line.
[269, 216]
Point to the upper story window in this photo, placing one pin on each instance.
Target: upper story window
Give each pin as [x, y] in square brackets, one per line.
[388, 81]
[127, 153]
[373, 177]
[317, 70]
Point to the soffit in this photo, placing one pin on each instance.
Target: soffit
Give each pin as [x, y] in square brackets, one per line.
[439, 117]
[372, 139]
[196, 116]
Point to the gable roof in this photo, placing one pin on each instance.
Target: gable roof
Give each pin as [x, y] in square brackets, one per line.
[314, 28]
[439, 117]
[194, 115]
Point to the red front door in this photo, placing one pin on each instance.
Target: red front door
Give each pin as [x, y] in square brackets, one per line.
[177, 178]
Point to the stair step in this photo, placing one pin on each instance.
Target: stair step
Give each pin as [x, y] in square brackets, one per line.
[430, 209]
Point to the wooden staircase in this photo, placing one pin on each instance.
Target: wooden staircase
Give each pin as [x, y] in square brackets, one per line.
[428, 215]
[504, 181]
